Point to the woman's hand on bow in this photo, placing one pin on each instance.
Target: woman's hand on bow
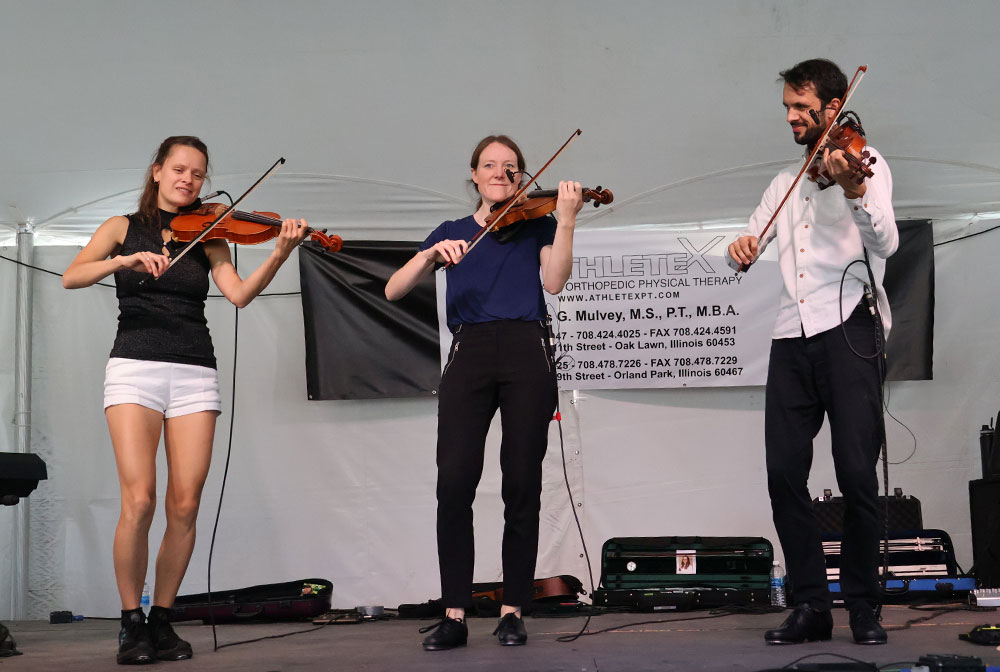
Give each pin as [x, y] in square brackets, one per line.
[447, 251]
[147, 262]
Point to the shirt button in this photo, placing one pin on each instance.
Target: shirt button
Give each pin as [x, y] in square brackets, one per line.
[807, 226]
[802, 249]
[802, 300]
[855, 208]
[802, 275]
[807, 198]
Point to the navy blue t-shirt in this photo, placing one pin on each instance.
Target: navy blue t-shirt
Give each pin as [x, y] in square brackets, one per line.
[495, 281]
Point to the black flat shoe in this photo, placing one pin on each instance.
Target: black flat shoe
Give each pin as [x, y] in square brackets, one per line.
[135, 647]
[449, 633]
[865, 627]
[166, 642]
[804, 624]
[510, 631]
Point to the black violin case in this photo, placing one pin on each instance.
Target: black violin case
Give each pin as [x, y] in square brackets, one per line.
[291, 601]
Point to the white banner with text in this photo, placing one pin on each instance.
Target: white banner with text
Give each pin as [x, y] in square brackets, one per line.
[662, 309]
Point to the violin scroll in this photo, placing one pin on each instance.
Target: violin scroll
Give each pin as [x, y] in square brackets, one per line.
[600, 196]
[329, 243]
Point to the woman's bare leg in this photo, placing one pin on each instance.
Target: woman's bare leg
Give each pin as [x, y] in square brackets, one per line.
[135, 434]
[188, 441]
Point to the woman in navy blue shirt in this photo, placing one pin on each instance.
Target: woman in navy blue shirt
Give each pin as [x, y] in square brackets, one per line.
[499, 359]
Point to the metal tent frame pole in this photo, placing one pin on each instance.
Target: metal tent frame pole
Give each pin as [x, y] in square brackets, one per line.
[22, 414]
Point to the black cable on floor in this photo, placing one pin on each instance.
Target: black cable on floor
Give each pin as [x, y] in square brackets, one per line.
[261, 639]
[711, 615]
[872, 666]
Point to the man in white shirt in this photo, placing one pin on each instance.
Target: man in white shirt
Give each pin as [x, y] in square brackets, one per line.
[825, 356]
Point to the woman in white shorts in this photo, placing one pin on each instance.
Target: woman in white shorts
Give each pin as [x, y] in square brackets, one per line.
[162, 375]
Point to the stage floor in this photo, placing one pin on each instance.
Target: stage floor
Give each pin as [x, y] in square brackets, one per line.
[673, 641]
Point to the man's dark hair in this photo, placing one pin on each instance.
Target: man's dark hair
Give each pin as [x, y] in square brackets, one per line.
[829, 81]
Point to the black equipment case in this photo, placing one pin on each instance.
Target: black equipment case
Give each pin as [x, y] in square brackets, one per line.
[291, 601]
[652, 573]
[904, 512]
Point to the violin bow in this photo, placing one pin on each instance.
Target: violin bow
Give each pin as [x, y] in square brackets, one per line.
[517, 195]
[858, 76]
[228, 211]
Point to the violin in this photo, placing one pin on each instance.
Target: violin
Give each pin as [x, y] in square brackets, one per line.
[539, 203]
[850, 140]
[243, 228]
[214, 220]
[515, 201]
[848, 136]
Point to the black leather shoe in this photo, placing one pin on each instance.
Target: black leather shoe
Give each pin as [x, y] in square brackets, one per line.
[449, 633]
[134, 644]
[166, 642]
[804, 624]
[865, 627]
[510, 631]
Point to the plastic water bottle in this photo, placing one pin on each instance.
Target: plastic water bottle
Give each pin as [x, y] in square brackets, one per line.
[144, 600]
[777, 585]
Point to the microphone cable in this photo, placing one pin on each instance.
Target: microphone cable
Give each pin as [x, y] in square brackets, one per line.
[554, 339]
[871, 299]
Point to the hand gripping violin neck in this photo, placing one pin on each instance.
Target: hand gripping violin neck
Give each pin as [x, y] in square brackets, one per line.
[848, 136]
[533, 205]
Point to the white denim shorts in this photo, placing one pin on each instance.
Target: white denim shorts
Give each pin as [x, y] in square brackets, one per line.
[171, 389]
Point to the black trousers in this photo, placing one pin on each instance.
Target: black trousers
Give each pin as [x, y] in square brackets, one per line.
[505, 365]
[807, 377]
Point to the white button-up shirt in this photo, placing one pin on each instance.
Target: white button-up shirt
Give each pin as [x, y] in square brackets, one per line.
[819, 233]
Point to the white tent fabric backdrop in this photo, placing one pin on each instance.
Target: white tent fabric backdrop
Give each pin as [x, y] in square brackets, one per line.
[377, 106]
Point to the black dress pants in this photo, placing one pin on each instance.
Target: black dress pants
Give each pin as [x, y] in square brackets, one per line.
[506, 365]
[807, 377]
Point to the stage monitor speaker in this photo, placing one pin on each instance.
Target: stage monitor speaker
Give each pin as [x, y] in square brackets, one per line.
[19, 475]
[984, 509]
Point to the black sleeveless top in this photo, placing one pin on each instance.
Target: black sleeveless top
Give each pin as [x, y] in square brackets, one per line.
[163, 320]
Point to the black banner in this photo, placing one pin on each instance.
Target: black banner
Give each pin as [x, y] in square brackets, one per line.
[361, 346]
[909, 283]
[358, 344]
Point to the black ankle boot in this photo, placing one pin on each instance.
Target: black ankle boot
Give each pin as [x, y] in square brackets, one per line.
[449, 633]
[510, 631]
[166, 642]
[865, 627]
[134, 644]
[805, 624]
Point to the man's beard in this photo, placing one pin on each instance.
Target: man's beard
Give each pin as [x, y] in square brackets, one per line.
[810, 137]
